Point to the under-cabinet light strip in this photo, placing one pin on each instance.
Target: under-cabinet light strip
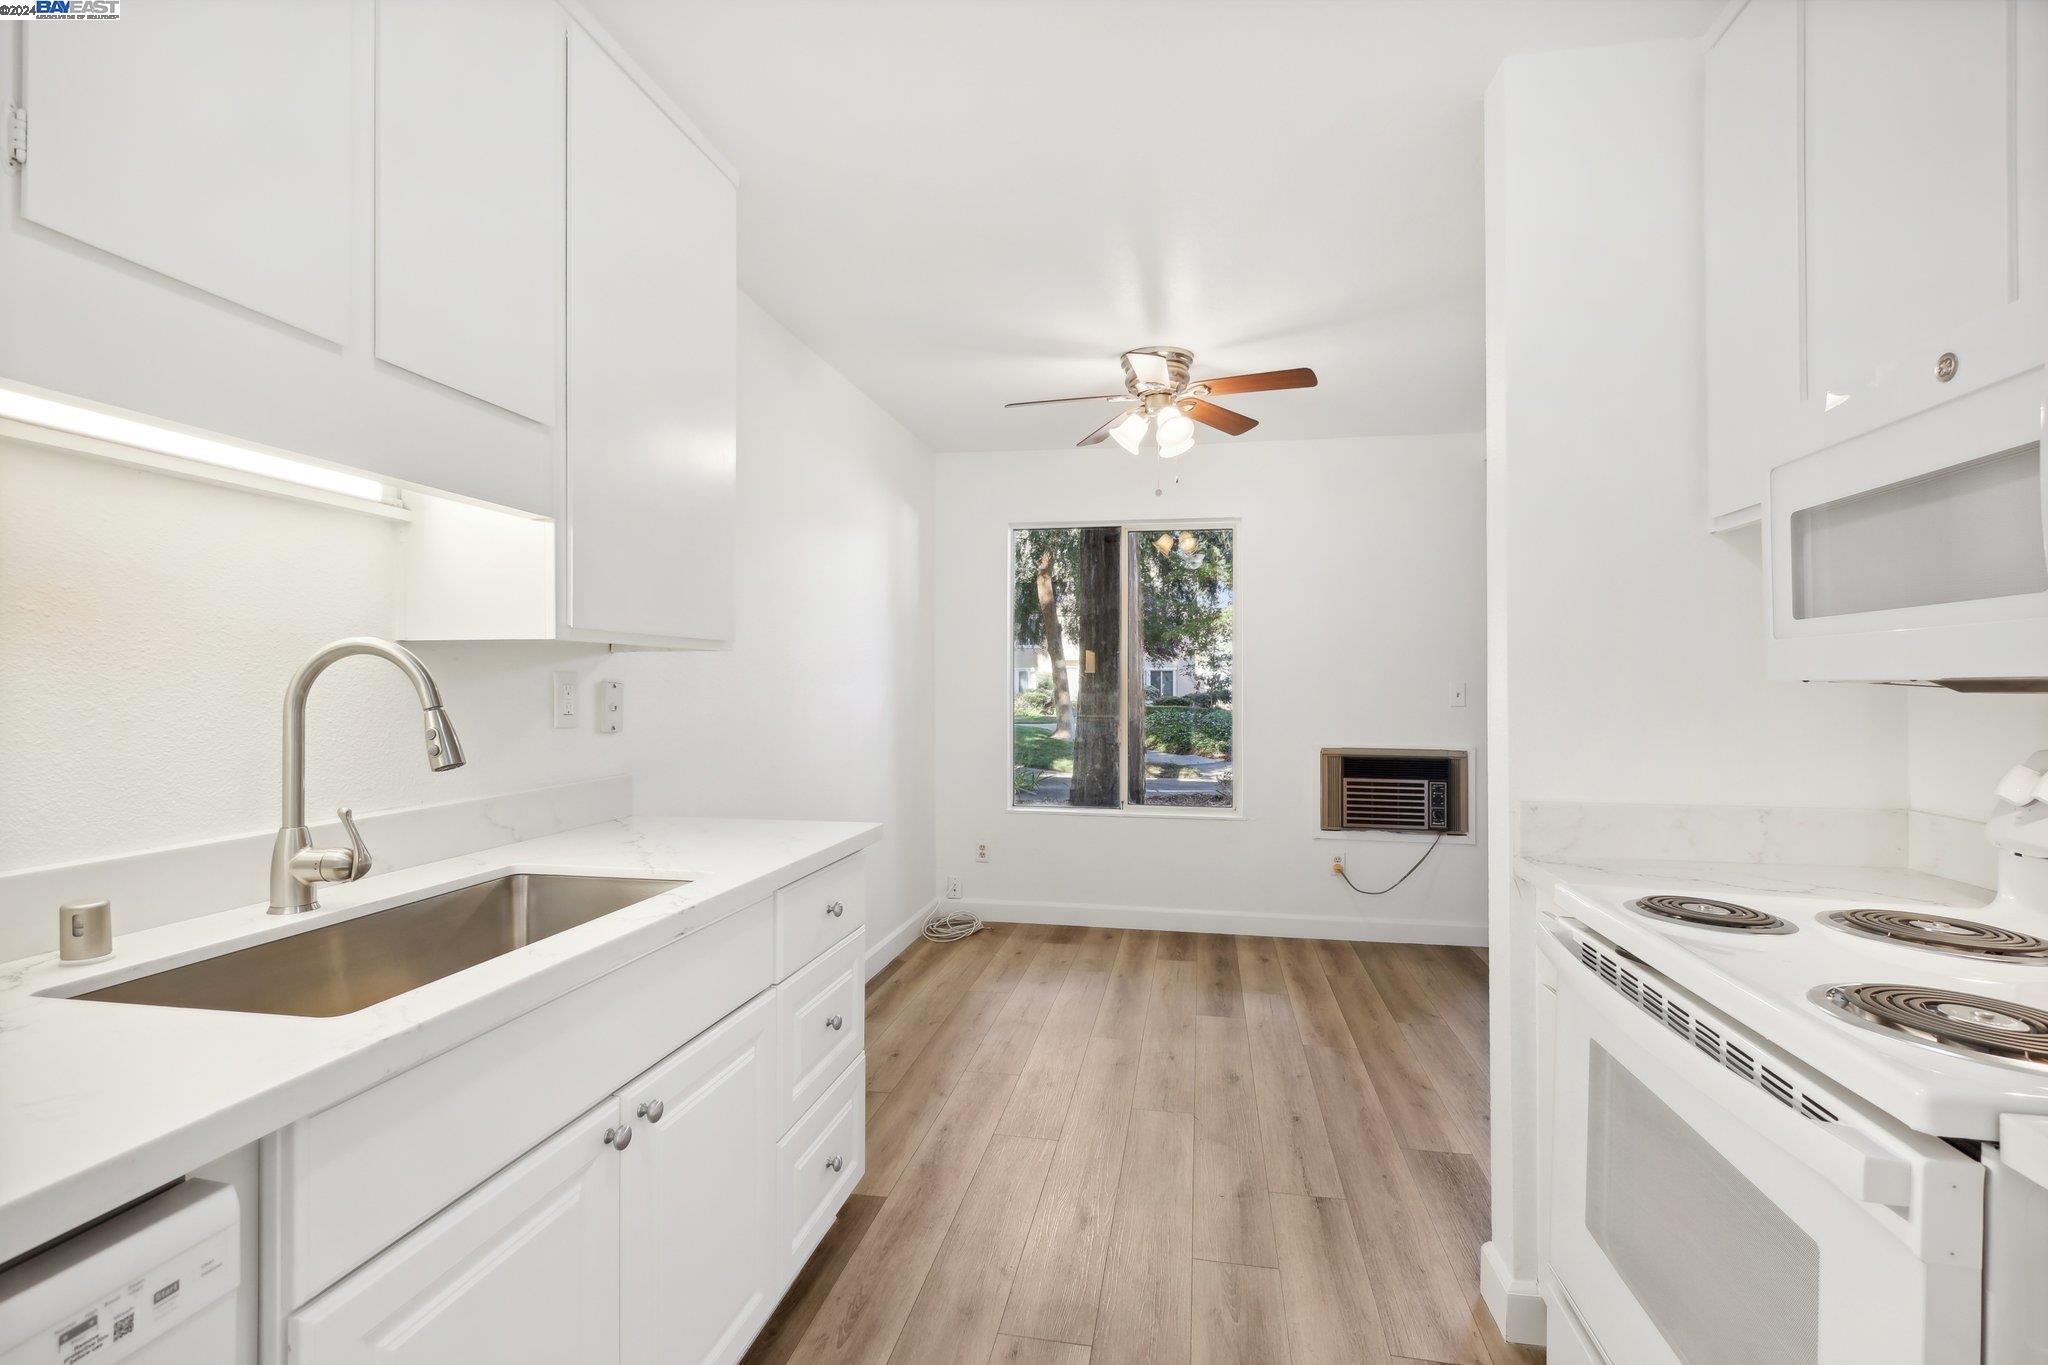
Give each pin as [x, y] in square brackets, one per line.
[53, 413]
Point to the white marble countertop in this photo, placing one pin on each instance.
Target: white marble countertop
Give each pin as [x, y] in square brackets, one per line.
[101, 1103]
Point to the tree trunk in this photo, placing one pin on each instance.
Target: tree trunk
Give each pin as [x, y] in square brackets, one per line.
[1056, 650]
[1099, 712]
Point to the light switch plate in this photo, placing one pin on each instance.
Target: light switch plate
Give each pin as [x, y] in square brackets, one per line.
[611, 706]
[1457, 694]
[564, 687]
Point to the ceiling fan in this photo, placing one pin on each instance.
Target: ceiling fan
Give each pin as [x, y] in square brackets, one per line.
[1164, 403]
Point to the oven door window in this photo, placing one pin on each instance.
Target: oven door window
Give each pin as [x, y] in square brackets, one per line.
[1722, 1271]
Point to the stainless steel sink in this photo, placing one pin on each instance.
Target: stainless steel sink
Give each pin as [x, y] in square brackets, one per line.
[345, 967]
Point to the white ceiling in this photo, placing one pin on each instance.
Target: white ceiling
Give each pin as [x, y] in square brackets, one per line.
[963, 202]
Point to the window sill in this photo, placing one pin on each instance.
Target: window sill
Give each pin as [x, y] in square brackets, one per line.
[1126, 813]
[1390, 836]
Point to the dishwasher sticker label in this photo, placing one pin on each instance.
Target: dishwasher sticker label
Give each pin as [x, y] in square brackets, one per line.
[81, 1337]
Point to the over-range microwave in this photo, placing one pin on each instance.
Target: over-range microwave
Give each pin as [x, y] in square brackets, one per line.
[1913, 549]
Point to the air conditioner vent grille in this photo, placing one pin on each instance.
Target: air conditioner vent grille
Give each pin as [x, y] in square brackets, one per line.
[1387, 802]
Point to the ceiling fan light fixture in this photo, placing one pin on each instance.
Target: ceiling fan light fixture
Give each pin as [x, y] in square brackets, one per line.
[1130, 433]
[1181, 447]
[1174, 430]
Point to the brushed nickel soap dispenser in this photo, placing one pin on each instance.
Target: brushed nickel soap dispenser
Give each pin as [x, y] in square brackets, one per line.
[85, 931]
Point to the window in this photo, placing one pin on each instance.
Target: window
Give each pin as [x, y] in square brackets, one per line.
[1027, 678]
[1132, 703]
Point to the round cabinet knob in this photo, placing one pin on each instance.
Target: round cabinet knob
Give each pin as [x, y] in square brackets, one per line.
[652, 1110]
[836, 909]
[1945, 367]
[835, 1022]
[620, 1137]
[837, 1163]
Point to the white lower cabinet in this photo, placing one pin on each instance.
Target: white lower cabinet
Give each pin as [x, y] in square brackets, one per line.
[418, 1222]
[524, 1268]
[699, 1272]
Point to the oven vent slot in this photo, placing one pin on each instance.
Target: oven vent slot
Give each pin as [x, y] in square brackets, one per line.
[1702, 1035]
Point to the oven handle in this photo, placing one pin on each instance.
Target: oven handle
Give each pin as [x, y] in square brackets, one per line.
[1848, 1158]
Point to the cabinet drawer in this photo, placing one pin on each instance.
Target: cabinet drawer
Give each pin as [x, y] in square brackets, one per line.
[813, 1187]
[815, 1048]
[353, 1179]
[819, 911]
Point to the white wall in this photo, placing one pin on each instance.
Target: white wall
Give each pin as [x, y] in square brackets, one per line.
[1360, 570]
[1957, 746]
[823, 707]
[148, 626]
[1627, 663]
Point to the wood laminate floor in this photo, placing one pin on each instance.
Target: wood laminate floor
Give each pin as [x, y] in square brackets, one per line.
[1093, 1146]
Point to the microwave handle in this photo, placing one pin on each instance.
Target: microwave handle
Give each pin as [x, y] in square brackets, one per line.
[2023, 1146]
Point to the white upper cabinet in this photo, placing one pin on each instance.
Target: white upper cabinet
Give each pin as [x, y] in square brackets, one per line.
[1874, 179]
[1910, 109]
[1756, 366]
[652, 336]
[210, 142]
[469, 196]
[465, 247]
[191, 236]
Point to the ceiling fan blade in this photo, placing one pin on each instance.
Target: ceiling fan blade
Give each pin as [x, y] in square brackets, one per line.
[1223, 419]
[1081, 398]
[1258, 383]
[1101, 433]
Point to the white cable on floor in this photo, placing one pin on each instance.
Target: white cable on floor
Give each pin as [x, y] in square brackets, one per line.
[951, 927]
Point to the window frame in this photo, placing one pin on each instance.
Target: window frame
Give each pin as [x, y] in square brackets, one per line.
[1237, 809]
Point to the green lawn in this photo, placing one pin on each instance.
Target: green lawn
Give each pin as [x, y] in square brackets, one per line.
[1036, 748]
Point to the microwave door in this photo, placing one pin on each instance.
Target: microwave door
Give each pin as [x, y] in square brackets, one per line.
[1695, 1218]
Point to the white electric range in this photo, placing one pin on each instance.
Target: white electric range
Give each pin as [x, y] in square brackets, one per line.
[1797, 1129]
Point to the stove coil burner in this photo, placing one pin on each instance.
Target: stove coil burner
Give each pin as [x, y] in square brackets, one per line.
[1941, 933]
[1705, 914]
[1963, 1023]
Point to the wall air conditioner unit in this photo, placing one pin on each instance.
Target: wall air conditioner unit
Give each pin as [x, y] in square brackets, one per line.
[1414, 791]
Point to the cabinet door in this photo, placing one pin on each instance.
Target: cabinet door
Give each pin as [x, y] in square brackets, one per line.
[652, 334]
[1912, 161]
[1755, 352]
[209, 141]
[469, 196]
[524, 1268]
[700, 1270]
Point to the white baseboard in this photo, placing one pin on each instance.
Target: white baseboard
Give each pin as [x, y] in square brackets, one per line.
[886, 950]
[1229, 922]
[1517, 1305]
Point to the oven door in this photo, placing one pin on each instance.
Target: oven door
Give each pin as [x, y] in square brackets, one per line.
[1712, 1202]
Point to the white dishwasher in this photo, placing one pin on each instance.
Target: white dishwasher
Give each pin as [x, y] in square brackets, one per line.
[155, 1284]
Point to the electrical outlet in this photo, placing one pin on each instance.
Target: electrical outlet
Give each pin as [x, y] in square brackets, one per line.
[1337, 866]
[953, 891]
[564, 686]
[1457, 694]
[981, 853]
[611, 707]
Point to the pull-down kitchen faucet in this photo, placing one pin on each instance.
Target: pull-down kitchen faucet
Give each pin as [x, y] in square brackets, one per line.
[295, 865]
